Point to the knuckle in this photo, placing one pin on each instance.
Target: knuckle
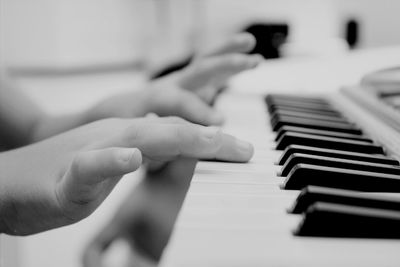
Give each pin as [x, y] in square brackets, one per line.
[133, 132]
[216, 141]
[212, 139]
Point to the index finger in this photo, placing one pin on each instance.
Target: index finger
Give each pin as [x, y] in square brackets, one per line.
[165, 142]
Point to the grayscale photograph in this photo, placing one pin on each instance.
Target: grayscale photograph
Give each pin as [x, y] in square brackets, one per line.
[199, 133]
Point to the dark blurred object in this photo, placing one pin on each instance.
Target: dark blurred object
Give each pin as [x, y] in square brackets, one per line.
[146, 219]
[352, 33]
[269, 38]
[175, 66]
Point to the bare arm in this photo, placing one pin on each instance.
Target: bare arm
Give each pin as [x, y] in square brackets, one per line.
[23, 122]
[186, 95]
[18, 116]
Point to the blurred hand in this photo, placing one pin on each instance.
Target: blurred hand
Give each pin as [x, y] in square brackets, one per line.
[63, 179]
[146, 219]
[187, 93]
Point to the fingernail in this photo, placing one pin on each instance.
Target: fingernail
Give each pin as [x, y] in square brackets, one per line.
[245, 147]
[210, 132]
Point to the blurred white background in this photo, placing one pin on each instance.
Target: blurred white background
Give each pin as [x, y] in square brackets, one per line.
[60, 34]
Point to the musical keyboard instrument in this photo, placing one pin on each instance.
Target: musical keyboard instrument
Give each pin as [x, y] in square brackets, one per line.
[321, 190]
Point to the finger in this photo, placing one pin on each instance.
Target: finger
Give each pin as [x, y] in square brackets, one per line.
[167, 120]
[91, 177]
[151, 115]
[240, 43]
[231, 63]
[98, 165]
[194, 109]
[164, 142]
[218, 69]
[93, 254]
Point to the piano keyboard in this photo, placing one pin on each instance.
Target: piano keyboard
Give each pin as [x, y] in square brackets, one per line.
[320, 191]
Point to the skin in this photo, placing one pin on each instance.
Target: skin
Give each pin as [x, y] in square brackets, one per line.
[58, 171]
[65, 178]
[146, 218]
[185, 94]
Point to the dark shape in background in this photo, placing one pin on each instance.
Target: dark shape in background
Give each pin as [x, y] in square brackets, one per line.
[269, 38]
[352, 33]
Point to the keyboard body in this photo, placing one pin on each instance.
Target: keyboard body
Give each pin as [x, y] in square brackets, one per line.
[236, 214]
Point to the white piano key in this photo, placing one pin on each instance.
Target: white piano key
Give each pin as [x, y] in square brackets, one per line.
[235, 214]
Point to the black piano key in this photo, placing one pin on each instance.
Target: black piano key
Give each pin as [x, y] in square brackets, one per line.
[298, 158]
[306, 115]
[300, 104]
[290, 138]
[296, 98]
[291, 149]
[275, 119]
[318, 125]
[302, 107]
[313, 194]
[302, 110]
[303, 175]
[311, 99]
[294, 129]
[335, 220]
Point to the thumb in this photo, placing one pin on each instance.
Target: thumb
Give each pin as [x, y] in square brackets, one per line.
[194, 109]
[92, 176]
[95, 166]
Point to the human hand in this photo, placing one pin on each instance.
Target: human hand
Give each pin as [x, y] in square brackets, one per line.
[146, 218]
[187, 93]
[210, 70]
[63, 179]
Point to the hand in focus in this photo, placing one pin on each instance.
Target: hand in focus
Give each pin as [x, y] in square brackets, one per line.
[187, 93]
[63, 179]
[146, 218]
